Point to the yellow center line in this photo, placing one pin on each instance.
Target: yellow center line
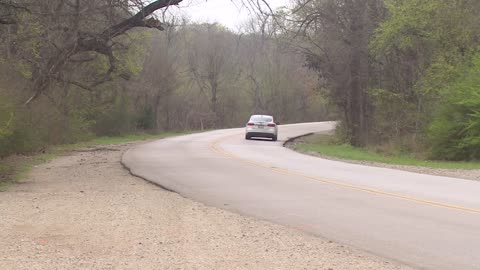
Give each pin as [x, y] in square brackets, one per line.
[214, 146]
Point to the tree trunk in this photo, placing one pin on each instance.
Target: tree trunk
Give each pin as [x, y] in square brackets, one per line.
[359, 74]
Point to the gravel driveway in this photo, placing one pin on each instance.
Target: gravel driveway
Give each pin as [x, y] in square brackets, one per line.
[84, 211]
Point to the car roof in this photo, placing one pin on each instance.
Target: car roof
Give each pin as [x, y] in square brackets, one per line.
[266, 115]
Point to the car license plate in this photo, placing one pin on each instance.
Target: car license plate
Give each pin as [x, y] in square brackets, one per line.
[260, 126]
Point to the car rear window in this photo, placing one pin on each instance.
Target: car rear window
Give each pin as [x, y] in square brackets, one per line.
[261, 118]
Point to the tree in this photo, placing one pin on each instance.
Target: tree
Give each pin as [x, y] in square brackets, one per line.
[74, 37]
[187, 76]
[80, 39]
[424, 50]
[212, 64]
[336, 41]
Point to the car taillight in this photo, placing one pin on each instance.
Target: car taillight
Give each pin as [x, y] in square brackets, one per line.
[250, 124]
[271, 125]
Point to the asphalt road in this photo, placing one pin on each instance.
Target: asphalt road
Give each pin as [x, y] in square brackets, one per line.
[429, 222]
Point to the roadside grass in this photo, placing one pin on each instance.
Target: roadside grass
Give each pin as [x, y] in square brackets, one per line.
[117, 140]
[15, 170]
[5, 171]
[327, 146]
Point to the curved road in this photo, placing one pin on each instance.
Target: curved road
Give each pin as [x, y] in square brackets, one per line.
[429, 222]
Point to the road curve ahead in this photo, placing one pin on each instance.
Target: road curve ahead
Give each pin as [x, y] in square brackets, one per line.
[425, 221]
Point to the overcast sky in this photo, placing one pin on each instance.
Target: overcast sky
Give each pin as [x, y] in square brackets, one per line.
[227, 12]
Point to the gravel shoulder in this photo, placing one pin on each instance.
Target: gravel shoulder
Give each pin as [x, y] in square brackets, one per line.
[85, 211]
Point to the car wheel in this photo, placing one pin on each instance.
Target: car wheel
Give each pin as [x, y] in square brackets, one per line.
[274, 138]
[247, 137]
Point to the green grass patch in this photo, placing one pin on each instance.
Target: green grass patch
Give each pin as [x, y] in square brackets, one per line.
[117, 140]
[16, 169]
[6, 170]
[326, 145]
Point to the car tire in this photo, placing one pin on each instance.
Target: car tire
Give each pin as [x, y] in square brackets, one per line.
[274, 138]
[247, 137]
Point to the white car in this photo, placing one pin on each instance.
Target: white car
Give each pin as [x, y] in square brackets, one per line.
[261, 126]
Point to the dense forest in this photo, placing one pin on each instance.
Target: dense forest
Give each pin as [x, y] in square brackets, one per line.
[399, 74]
[183, 76]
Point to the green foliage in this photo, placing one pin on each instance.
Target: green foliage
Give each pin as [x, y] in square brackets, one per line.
[155, 85]
[440, 73]
[408, 21]
[428, 81]
[146, 119]
[24, 140]
[342, 132]
[5, 170]
[34, 131]
[114, 120]
[79, 127]
[455, 132]
[30, 129]
[7, 118]
[394, 114]
[28, 42]
[131, 61]
[13, 137]
[428, 25]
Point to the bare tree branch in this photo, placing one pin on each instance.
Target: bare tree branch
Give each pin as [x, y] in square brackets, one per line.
[100, 43]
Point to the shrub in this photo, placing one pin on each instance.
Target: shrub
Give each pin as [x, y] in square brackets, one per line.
[455, 132]
[146, 119]
[115, 120]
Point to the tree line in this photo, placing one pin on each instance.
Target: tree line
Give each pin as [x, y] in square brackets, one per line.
[399, 75]
[75, 69]
[404, 74]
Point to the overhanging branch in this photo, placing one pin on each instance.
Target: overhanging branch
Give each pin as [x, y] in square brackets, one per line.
[100, 43]
[138, 20]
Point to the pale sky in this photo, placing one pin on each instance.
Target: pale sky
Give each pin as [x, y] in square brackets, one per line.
[230, 13]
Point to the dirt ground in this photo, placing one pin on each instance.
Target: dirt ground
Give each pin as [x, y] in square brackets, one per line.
[85, 211]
